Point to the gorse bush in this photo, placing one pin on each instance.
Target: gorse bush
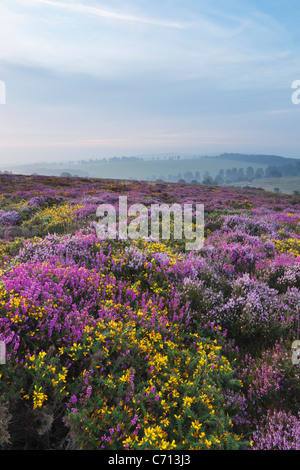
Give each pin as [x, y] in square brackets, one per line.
[93, 344]
[159, 394]
[55, 219]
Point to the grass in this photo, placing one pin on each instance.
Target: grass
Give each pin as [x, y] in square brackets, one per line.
[286, 185]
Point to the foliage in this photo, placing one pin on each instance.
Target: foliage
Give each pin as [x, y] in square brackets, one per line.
[122, 344]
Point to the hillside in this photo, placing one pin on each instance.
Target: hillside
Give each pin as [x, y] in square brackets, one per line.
[167, 168]
[286, 185]
[261, 159]
[141, 344]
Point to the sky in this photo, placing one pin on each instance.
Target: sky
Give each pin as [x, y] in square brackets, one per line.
[96, 79]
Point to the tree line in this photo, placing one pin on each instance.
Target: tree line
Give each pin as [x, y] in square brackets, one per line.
[232, 175]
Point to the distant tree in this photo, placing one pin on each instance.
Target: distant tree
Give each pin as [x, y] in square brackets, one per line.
[207, 179]
[241, 174]
[197, 176]
[250, 172]
[221, 176]
[218, 179]
[65, 174]
[259, 173]
[272, 171]
[234, 174]
[188, 176]
[228, 177]
[276, 190]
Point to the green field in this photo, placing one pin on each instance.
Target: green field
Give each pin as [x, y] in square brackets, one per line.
[286, 185]
[142, 170]
[161, 168]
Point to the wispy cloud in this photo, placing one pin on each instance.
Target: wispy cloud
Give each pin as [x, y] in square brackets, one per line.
[94, 11]
[132, 75]
[191, 44]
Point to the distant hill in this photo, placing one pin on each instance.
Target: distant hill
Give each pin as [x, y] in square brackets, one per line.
[226, 168]
[263, 159]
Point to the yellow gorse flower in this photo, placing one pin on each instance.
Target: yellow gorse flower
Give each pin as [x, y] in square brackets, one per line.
[38, 397]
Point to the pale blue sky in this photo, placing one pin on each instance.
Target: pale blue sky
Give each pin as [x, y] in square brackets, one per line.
[87, 79]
